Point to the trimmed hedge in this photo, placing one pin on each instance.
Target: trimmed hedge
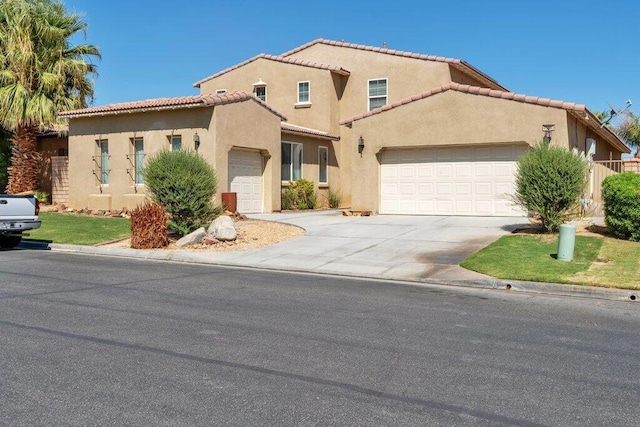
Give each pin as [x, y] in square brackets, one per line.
[621, 195]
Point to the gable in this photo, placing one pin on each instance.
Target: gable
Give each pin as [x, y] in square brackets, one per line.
[459, 71]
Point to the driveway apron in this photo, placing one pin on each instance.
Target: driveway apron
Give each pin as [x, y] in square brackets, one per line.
[381, 246]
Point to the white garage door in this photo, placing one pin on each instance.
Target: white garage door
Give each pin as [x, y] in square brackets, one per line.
[474, 180]
[245, 179]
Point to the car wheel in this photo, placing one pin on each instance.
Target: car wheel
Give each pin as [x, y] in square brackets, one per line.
[9, 242]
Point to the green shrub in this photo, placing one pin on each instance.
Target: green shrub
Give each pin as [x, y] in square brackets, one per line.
[621, 195]
[42, 196]
[549, 182]
[334, 198]
[288, 199]
[183, 183]
[301, 194]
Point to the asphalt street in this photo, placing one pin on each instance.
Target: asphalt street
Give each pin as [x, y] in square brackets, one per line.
[88, 340]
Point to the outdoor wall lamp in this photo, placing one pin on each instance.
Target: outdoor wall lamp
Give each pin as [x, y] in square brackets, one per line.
[360, 145]
[547, 129]
[196, 140]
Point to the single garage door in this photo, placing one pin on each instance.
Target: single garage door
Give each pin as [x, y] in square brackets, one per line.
[473, 180]
[245, 179]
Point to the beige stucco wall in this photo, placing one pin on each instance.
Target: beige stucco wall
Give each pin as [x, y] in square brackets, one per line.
[449, 118]
[245, 124]
[153, 127]
[282, 90]
[405, 76]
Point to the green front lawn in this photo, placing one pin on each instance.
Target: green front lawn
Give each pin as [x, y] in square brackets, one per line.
[79, 229]
[598, 261]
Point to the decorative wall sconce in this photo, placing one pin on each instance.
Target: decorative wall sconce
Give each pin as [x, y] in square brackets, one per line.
[196, 140]
[360, 145]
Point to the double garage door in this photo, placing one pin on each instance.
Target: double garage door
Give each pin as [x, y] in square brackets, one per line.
[245, 179]
[473, 180]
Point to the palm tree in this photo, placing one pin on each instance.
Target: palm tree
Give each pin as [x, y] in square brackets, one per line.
[41, 74]
[629, 131]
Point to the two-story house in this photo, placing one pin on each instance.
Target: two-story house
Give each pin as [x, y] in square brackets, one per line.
[394, 132]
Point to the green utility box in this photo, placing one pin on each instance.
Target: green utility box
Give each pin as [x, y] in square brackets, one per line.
[566, 242]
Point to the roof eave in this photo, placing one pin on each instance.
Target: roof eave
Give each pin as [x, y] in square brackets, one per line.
[327, 137]
[132, 110]
[594, 123]
[470, 69]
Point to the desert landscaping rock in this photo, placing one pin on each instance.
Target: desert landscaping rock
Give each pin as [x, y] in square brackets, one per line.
[192, 238]
[210, 239]
[222, 228]
[222, 221]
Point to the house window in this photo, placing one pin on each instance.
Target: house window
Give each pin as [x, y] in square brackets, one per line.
[176, 142]
[323, 165]
[304, 93]
[291, 161]
[138, 147]
[261, 92]
[377, 93]
[104, 161]
[221, 91]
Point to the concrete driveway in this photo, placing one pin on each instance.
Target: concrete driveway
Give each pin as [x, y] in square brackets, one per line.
[381, 246]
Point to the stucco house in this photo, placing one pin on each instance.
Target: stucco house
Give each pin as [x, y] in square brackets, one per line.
[394, 132]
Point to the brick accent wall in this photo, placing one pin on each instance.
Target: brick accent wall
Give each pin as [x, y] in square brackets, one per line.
[631, 165]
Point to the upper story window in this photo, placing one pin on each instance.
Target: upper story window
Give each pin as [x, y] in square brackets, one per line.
[176, 142]
[260, 90]
[377, 93]
[221, 91]
[304, 92]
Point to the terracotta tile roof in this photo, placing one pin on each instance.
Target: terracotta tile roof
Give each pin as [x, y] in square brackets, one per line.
[299, 130]
[458, 64]
[475, 90]
[294, 61]
[578, 110]
[158, 104]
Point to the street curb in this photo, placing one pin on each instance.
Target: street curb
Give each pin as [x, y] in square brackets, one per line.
[557, 289]
[560, 289]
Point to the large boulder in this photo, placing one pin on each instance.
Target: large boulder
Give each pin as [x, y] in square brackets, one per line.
[222, 228]
[192, 238]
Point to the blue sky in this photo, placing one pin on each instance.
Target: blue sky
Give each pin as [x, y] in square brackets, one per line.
[577, 51]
